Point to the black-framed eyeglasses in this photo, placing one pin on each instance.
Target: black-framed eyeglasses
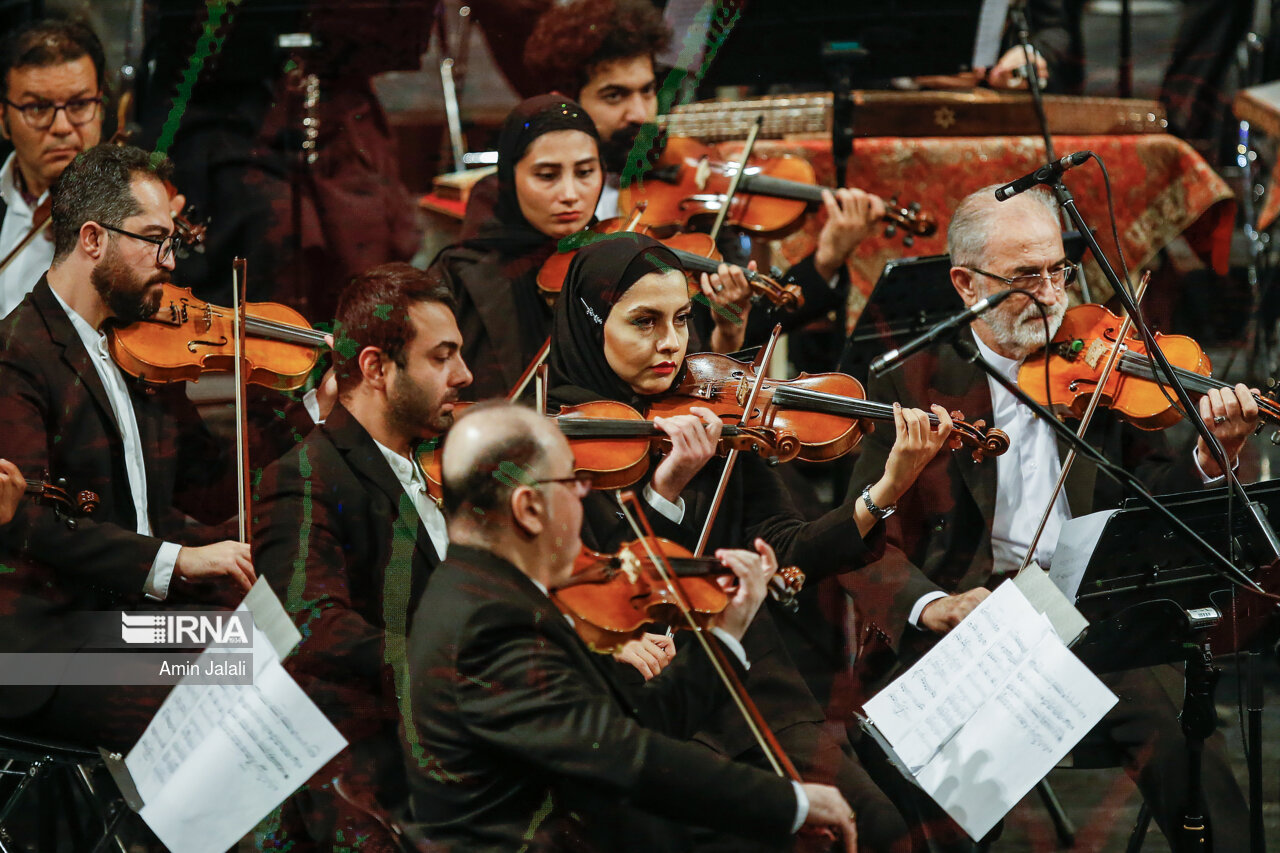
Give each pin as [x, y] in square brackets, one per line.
[40, 115]
[1059, 277]
[165, 246]
[581, 478]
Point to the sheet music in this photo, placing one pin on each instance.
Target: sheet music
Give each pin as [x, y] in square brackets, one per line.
[989, 710]
[1076, 543]
[217, 758]
[986, 44]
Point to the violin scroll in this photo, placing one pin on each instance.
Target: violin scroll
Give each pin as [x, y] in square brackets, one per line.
[984, 442]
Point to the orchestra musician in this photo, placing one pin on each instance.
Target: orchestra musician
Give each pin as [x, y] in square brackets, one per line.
[967, 526]
[12, 487]
[525, 740]
[602, 52]
[549, 177]
[621, 333]
[346, 533]
[66, 408]
[53, 78]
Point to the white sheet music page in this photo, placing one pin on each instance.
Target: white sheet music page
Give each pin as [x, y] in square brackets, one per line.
[989, 710]
[217, 758]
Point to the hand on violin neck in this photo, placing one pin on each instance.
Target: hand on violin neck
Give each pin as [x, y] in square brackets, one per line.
[852, 215]
[650, 654]
[828, 810]
[728, 295]
[1232, 416]
[753, 571]
[693, 442]
[916, 442]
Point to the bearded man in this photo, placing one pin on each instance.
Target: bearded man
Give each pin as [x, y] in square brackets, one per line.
[66, 409]
[966, 526]
[347, 535]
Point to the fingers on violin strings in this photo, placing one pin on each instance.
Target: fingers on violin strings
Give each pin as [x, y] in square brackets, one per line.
[1248, 404]
[944, 419]
[765, 550]
[899, 420]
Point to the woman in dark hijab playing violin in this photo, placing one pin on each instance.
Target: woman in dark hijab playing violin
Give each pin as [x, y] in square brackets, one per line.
[620, 332]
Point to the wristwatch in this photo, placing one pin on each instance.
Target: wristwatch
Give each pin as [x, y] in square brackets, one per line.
[878, 512]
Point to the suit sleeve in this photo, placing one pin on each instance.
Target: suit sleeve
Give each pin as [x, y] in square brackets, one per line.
[518, 690]
[94, 553]
[828, 545]
[891, 586]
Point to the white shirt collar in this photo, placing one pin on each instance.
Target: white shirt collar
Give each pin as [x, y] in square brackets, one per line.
[94, 340]
[1007, 366]
[9, 192]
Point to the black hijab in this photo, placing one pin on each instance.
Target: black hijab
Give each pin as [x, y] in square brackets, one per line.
[507, 232]
[598, 277]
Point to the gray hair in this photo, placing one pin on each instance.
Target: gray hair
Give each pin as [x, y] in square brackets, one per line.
[973, 220]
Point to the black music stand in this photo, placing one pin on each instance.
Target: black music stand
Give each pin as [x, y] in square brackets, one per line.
[1151, 600]
[910, 297]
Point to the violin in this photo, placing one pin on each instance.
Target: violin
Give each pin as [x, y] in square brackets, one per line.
[697, 253]
[62, 499]
[612, 597]
[615, 443]
[824, 412]
[187, 337]
[690, 179]
[1079, 350]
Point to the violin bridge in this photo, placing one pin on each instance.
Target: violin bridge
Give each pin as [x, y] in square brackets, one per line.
[1095, 353]
[630, 565]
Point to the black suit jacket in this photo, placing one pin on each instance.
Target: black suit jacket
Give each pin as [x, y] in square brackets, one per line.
[940, 536]
[55, 417]
[520, 736]
[339, 540]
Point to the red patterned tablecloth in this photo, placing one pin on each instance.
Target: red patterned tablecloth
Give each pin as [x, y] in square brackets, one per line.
[1162, 188]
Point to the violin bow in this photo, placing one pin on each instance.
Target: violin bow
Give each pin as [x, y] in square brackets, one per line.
[761, 367]
[529, 372]
[1113, 358]
[238, 280]
[760, 730]
[35, 231]
[723, 214]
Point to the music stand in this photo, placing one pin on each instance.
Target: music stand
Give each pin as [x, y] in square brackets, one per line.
[1151, 600]
[910, 297]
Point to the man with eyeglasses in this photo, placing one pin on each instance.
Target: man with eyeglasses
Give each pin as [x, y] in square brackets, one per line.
[346, 532]
[51, 73]
[966, 526]
[155, 539]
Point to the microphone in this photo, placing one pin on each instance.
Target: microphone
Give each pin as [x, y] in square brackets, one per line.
[894, 357]
[1046, 174]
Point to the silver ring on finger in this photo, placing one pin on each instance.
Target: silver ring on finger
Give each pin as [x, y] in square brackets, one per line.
[1219, 419]
[719, 288]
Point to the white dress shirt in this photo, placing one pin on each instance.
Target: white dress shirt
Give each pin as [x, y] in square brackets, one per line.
[607, 206]
[157, 583]
[24, 272]
[414, 483]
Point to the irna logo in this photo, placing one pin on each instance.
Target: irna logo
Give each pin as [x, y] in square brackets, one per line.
[186, 629]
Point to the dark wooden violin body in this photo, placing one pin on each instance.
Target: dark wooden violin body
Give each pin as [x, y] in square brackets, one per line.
[188, 336]
[612, 597]
[1078, 352]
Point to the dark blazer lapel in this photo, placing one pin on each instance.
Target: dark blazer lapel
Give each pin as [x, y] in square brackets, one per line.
[959, 384]
[64, 335]
[364, 457]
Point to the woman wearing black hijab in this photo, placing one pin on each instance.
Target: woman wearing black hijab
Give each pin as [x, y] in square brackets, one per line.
[549, 179]
[620, 332]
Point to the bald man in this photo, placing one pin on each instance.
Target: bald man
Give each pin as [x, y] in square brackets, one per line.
[519, 735]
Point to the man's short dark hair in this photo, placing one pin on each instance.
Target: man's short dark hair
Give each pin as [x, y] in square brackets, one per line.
[484, 491]
[570, 42]
[50, 42]
[373, 311]
[97, 187]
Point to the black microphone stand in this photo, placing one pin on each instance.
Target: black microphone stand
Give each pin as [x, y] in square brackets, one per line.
[1200, 675]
